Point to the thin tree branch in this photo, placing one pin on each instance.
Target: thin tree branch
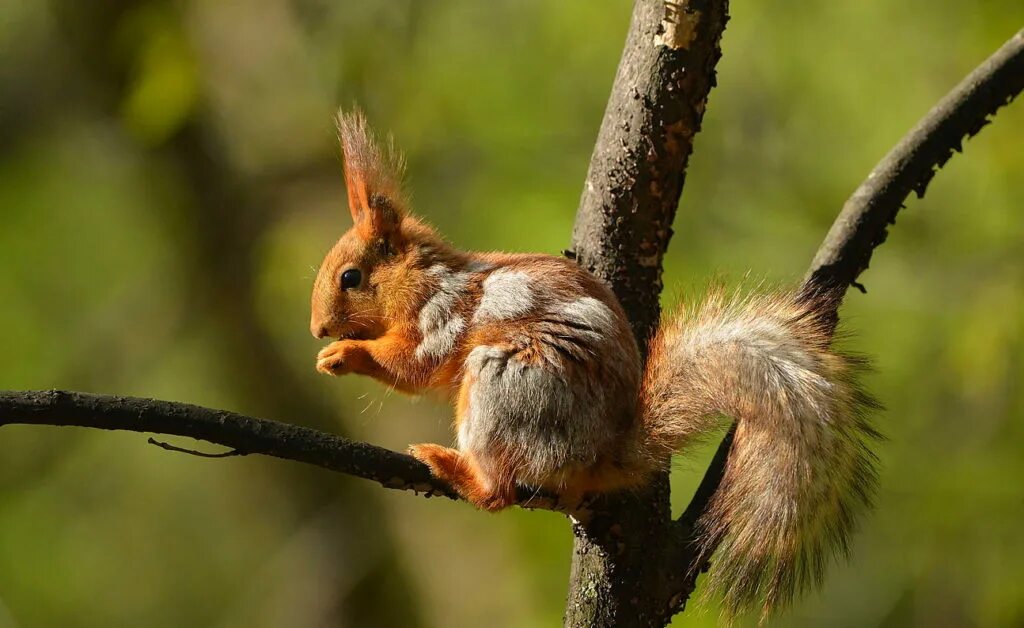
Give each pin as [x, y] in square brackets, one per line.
[709, 483]
[244, 435]
[231, 453]
[863, 222]
[238, 432]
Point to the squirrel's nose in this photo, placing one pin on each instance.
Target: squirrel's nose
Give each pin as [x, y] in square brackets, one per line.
[318, 330]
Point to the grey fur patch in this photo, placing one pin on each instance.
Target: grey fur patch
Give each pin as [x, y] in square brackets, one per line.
[534, 412]
[507, 295]
[592, 314]
[478, 266]
[439, 322]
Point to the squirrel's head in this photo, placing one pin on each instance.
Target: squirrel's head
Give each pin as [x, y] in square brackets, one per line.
[361, 276]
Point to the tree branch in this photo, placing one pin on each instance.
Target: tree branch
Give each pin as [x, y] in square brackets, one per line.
[709, 483]
[626, 557]
[638, 168]
[246, 435]
[863, 222]
[231, 453]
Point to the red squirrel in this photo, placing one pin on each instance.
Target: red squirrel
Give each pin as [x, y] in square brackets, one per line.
[537, 357]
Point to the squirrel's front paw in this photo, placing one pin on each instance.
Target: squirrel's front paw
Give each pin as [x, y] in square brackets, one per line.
[331, 359]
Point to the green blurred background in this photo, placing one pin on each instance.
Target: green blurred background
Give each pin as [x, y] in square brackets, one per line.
[169, 181]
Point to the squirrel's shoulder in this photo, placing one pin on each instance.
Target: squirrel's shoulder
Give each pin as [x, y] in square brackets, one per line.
[553, 283]
[548, 271]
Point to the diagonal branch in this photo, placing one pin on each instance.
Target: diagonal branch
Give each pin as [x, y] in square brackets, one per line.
[864, 220]
[638, 168]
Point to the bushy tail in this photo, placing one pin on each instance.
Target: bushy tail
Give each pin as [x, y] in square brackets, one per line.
[799, 468]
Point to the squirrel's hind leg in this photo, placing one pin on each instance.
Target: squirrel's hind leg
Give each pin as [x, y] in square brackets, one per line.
[461, 470]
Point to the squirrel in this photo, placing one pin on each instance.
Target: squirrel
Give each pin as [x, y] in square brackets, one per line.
[549, 390]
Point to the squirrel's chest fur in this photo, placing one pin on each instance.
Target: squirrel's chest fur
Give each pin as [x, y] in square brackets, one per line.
[537, 356]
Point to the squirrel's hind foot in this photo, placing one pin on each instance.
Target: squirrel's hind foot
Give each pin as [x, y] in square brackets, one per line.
[465, 476]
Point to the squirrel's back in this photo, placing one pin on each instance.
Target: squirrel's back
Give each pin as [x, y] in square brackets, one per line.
[548, 370]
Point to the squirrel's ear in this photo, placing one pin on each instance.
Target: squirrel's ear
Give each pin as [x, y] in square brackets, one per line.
[373, 177]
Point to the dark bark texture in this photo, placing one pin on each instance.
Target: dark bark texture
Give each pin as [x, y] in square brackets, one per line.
[243, 434]
[636, 174]
[630, 559]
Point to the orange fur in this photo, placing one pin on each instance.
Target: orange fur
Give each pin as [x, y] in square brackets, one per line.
[538, 359]
[373, 178]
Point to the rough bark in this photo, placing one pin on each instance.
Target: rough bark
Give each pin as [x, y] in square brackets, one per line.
[629, 559]
[638, 168]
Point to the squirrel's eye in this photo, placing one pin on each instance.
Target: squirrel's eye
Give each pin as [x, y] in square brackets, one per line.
[351, 278]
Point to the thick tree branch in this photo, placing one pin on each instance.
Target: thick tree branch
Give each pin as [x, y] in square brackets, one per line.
[627, 556]
[864, 220]
[636, 174]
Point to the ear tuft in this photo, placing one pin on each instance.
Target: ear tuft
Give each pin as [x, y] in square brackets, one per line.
[373, 177]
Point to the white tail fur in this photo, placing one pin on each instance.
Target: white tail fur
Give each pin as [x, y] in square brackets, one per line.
[799, 468]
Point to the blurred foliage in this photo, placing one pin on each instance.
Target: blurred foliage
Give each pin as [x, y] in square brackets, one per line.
[169, 181]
